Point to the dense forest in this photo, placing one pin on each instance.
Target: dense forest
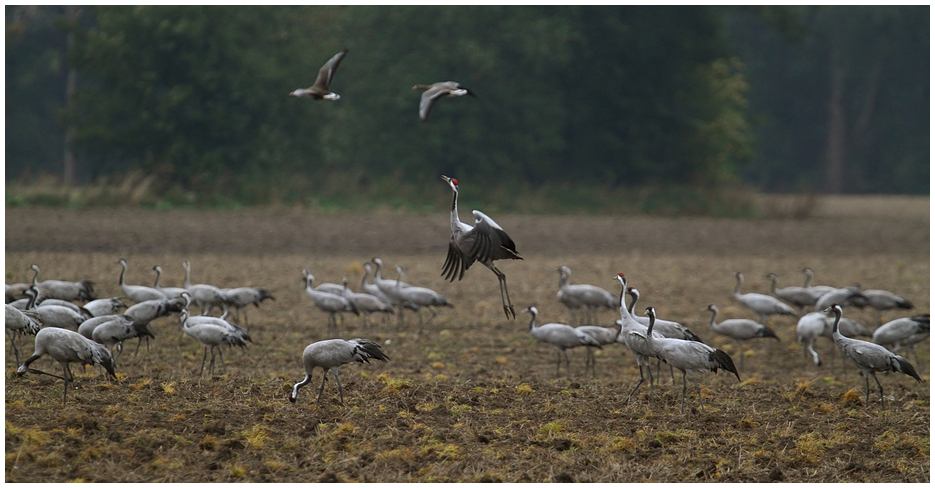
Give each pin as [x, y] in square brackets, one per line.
[791, 99]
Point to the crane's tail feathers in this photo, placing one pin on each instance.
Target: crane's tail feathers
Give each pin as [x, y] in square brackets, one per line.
[724, 361]
[265, 294]
[767, 332]
[905, 304]
[905, 367]
[691, 336]
[368, 350]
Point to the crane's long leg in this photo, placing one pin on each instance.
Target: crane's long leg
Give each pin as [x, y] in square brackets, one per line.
[650, 371]
[558, 361]
[434, 314]
[139, 341]
[698, 389]
[882, 405]
[740, 348]
[638, 383]
[65, 378]
[221, 352]
[567, 363]
[324, 375]
[340, 388]
[16, 351]
[211, 365]
[684, 387]
[504, 292]
[203, 358]
[590, 361]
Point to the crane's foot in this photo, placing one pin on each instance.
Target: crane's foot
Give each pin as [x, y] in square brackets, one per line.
[508, 310]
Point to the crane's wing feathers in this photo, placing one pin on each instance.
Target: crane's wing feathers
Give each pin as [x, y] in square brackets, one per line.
[489, 239]
[456, 263]
[428, 100]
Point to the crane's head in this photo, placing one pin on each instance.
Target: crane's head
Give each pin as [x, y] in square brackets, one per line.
[633, 292]
[650, 312]
[34, 267]
[532, 310]
[452, 182]
[712, 308]
[292, 397]
[772, 277]
[622, 279]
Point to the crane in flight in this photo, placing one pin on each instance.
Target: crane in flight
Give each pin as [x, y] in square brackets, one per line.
[485, 242]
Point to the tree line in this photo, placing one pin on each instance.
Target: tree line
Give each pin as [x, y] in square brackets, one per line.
[781, 98]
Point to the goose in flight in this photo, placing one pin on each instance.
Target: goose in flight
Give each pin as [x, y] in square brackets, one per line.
[439, 90]
[321, 89]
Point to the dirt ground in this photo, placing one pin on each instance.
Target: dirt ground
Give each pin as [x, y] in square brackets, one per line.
[473, 397]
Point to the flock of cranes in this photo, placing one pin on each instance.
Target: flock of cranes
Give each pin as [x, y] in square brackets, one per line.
[102, 330]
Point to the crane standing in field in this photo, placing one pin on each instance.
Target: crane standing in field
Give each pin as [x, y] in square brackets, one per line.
[486, 242]
[67, 347]
[168, 291]
[799, 296]
[739, 330]
[688, 356]
[633, 334]
[137, 293]
[64, 290]
[582, 296]
[870, 357]
[761, 304]
[330, 355]
[603, 335]
[882, 300]
[561, 336]
[18, 322]
[906, 331]
[420, 297]
[327, 302]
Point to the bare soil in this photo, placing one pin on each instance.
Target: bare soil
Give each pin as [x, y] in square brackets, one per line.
[473, 397]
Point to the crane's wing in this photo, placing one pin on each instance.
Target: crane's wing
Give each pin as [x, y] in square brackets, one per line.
[489, 239]
[456, 263]
[326, 73]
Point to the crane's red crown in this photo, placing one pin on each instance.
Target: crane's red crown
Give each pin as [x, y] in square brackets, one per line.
[455, 181]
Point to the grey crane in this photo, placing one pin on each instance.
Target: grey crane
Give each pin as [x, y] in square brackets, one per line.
[797, 295]
[688, 357]
[242, 297]
[603, 335]
[420, 297]
[137, 293]
[881, 300]
[64, 290]
[206, 296]
[327, 302]
[870, 357]
[367, 303]
[582, 296]
[561, 336]
[763, 305]
[850, 296]
[389, 288]
[813, 325]
[903, 332]
[66, 347]
[185, 316]
[80, 310]
[15, 291]
[58, 316]
[210, 335]
[19, 322]
[112, 333]
[87, 327]
[168, 291]
[817, 290]
[150, 310]
[330, 355]
[321, 89]
[374, 289]
[104, 306]
[667, 328]
[739, 330]
[485, 242]
[436, 91]
[633, 334]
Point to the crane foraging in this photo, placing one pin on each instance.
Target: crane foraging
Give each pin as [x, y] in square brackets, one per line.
[688, 357]
[67, 347]
[327, 302]
[330, 355]
[869, 357]
[561, 336]
[485, 242]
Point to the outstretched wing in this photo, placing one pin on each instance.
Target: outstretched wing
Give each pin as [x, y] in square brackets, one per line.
[428, 100]
[456, 263]
[489, 239]
[326, 73]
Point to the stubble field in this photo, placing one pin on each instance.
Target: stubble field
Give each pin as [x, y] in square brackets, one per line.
[473, 397]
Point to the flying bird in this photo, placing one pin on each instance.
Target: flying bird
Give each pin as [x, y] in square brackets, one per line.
[321, 89]
[438, 90]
